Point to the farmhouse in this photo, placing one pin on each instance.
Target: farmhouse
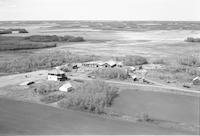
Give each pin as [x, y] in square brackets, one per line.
[56, 75]
[67, 87]
[196, 81]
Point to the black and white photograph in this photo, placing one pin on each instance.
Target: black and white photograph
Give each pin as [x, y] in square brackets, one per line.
[99, 67]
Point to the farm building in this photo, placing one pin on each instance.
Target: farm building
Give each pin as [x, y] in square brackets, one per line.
[15, 32]
[76, 65]
[109, 64]
[132, 69]
[196, 81]
[56, 75]
[94, 64]
[103, 64]
[67, 87]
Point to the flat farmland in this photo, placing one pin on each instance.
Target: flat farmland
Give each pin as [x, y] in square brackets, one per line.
[158, 105]
[27, 118]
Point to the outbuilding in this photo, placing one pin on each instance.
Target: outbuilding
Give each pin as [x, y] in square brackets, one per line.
[67, 87]
[109, 64]
[56, 75]
[196, 81]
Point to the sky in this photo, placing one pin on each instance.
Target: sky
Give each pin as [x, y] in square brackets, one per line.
[172, 10]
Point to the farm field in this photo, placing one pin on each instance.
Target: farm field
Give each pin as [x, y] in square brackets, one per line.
[164, 106]
[26, 118]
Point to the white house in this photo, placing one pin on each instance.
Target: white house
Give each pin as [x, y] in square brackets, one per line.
[67, 87]
[56, 75]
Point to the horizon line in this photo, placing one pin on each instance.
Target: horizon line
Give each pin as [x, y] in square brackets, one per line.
[20, 20]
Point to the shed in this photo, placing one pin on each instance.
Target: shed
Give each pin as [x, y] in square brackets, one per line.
[134, 77]
[196, 81]
[67, 87]
[132, 69]
[111, 63]
[15, 32]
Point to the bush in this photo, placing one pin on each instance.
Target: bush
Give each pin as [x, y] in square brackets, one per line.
[189, 60]
[135, 60]
[191, 39]
[76, 39]
[46, 88]
[55, 97]
[111, 73]
[144, 118]
[92, 96]
[159, 61]
[66, 68]
[43, 38]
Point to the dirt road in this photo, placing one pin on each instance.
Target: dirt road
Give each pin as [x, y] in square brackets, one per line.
[42, 74]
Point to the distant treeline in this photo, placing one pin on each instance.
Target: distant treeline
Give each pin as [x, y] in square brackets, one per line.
[54, 38]
[191, 39]
[34, 42]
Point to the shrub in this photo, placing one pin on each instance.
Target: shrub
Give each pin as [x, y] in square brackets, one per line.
[92, 96]
[66, 68]
[46, 88]
[186, 70]
[111, 73]
[189, 60]
[159, 61]
[144, 118]
[51, 98]
[135, 60]
[43, 38]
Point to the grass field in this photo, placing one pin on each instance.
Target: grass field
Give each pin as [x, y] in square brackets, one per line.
[25, 118]
[164, 106]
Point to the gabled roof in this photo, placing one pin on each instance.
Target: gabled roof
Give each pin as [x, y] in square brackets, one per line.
[196, 78]
[111, 62]
[56, 72]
